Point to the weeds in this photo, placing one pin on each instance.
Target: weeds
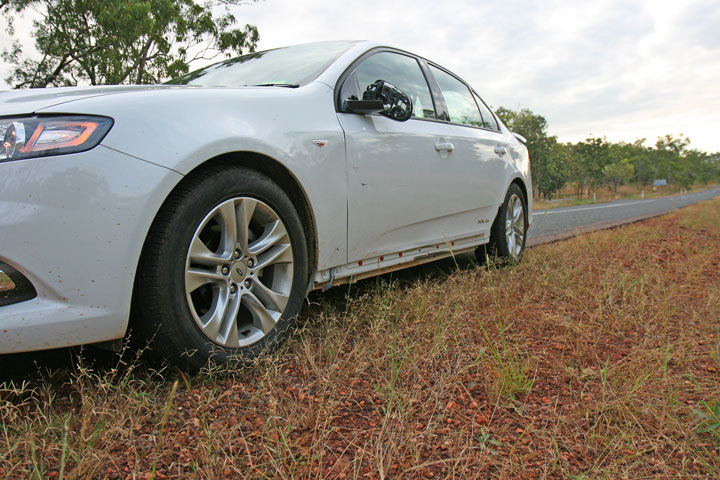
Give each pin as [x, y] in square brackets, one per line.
[709, 420]
[594, 357]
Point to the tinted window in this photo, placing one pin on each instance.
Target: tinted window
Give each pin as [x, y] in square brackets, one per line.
[280, 66]
[458, 98]
[400, 70]
[487, 116]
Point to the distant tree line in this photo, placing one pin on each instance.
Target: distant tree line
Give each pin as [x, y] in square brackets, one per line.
[596, 163]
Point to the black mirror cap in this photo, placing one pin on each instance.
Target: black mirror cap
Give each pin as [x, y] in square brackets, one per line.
[396, 104]
[364, 107]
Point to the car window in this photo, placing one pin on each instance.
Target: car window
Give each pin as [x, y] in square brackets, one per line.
[286, 66]
[489, 120]
[458, 98]
[400, 70]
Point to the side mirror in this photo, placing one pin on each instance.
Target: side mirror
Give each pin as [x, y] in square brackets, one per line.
[383, 98]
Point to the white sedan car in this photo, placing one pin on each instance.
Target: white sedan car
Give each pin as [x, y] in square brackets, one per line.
[201, 212]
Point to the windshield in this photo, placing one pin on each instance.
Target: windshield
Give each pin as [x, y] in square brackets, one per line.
[287, 66]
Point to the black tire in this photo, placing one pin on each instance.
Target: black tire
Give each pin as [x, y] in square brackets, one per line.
[500, 246]
[174, 295]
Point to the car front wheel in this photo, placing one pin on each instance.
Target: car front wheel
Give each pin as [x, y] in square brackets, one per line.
[224, 270]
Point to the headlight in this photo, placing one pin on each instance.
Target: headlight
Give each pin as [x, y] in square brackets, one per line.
[41, 136]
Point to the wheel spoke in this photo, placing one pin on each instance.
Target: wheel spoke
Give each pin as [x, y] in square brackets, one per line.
[228, 333]
[199, 253]
[245, 210]
[213, 320]
[227, 211]
[267, 295]
[263, 319]
[517, 213]
[278, 254]
[511, 244]
[274, 233]
[197, 277]
[518, 229]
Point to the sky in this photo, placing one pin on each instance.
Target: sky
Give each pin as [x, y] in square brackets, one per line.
[623, 69]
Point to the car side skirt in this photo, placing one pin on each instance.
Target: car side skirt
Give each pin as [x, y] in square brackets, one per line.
[370, 267]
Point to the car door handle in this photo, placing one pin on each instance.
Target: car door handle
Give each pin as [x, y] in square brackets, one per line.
[447, 146]
[500, 150]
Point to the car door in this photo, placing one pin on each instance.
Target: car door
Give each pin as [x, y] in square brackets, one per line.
[390, 164]
[480, 146]
[409, 185]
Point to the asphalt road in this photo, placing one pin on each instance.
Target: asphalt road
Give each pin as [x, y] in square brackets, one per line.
[558, 223]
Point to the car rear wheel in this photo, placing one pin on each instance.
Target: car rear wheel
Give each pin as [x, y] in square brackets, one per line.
[224, 270]
[508, 233]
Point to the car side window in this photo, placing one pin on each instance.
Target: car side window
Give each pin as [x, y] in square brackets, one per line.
[458, 98]
[400, 70]
[489, 120]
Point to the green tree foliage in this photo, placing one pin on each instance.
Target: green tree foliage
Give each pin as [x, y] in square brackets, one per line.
[618, 173]
[588, 160]
[121, 41]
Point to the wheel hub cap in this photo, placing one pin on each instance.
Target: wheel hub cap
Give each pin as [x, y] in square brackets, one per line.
[238, 272]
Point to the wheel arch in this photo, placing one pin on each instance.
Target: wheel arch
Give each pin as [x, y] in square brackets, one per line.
[522, 186]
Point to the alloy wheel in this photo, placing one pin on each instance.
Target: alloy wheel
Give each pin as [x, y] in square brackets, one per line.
[239, 272]
[515, 225]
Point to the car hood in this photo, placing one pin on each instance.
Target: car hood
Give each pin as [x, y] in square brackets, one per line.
[26, 102]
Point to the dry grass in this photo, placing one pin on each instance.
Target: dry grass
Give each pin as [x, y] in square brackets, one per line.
[596, 357]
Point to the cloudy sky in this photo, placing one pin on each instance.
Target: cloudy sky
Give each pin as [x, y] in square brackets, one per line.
[625, 69]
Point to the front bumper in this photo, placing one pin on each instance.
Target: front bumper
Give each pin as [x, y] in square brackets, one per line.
[74, 227]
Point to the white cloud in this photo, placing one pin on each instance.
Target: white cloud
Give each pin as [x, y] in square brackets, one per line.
[621, 68]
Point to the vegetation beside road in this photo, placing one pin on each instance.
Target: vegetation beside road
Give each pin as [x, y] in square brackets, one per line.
[593, 165]
[596, 357]
[566, 197]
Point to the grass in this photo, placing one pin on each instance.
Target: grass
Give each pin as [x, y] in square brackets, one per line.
[595, 357]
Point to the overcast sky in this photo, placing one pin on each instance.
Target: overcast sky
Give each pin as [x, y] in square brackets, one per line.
[625, 69]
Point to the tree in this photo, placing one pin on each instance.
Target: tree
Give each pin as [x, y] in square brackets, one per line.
[589, 159]
[121, 41]
[618, 173]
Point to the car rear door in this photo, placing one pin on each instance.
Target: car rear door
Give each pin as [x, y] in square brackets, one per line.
[480, 147]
